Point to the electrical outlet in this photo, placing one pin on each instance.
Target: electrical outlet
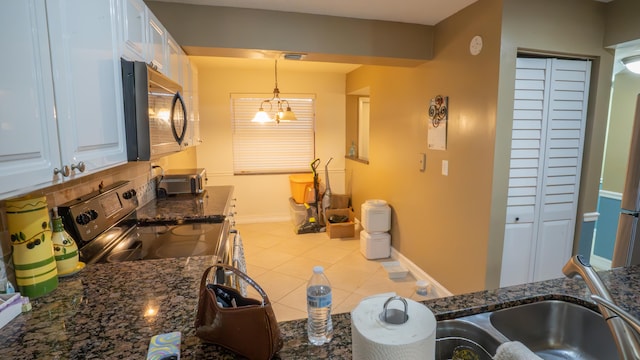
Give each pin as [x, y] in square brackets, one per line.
[445, 167]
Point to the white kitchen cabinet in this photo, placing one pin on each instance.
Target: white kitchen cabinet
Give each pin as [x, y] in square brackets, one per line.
[28, 134]
[195, 107]
[175, 61]
[190, 94]
[60, 92]
[157, 43]
[84, 46]
[134, 30]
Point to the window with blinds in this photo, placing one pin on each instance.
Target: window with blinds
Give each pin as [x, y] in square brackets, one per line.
[270, 148]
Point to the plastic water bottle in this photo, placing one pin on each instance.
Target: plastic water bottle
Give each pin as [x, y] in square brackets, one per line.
[319, 326]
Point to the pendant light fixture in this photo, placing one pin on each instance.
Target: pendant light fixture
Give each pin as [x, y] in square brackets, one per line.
[632, 63]
[281, 114]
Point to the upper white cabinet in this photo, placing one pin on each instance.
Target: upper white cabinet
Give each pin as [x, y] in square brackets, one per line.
[157, 43]
[28, 134]
[84, 47]
[176, 59]
[60, 94]
[134, 30]
[193, 107]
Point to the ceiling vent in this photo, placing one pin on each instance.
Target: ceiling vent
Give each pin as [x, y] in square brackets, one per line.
[293, 56]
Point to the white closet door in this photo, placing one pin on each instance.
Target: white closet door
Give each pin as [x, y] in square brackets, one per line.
[525, 175]
[568, 94]
[548, 130]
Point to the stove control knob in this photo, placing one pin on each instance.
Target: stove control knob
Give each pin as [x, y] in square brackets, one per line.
[93, 214]
[83, 219]
[129, 194]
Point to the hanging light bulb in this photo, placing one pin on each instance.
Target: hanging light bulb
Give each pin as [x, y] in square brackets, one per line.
[262, 116]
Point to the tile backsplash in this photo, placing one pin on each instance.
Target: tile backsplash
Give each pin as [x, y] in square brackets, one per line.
[138, 173]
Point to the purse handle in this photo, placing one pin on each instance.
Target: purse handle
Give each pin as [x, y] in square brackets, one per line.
[245, 277]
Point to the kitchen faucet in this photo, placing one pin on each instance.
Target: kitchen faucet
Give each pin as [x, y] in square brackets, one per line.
[617, 319]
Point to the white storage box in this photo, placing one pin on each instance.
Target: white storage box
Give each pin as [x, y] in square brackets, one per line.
[375, 245]
[298, 213]
[376, 216]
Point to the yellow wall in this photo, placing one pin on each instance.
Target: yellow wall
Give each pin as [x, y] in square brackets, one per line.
[453, 226]
[623, 106]
[263, 198]
[441, 223]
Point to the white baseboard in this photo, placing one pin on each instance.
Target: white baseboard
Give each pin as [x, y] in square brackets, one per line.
[420, 274]
[600, 263]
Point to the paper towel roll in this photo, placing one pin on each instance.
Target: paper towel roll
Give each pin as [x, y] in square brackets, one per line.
[373, 339]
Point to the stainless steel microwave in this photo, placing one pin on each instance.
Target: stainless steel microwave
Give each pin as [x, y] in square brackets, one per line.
[155, 113]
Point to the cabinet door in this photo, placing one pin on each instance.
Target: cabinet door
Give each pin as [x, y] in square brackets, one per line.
[194, 115]
[87, 83]
[157, 42]
[175, 54]
[28, 136]
[134, 30]
[190, 88]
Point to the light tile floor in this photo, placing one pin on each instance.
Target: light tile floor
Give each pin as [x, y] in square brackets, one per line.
[281, 262]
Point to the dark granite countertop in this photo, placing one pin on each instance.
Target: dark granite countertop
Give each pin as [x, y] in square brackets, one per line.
[212, 206]
[110, 311]
[103, 312]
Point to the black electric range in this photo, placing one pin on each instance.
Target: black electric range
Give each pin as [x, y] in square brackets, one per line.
[107, 227]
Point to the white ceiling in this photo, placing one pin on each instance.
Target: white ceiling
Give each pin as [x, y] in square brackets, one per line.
[426, 12]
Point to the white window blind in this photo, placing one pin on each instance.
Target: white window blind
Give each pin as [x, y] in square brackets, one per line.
[270, 148]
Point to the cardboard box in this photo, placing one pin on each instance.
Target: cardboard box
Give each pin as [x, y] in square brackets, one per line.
[339, 201]
[341, 230]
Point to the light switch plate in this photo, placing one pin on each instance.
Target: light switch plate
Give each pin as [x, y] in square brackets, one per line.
[445, 167]
[422, 161]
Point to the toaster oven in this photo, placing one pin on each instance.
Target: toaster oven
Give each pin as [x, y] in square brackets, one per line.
[182, 181]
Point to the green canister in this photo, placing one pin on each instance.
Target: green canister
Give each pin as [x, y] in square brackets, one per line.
[32, 248]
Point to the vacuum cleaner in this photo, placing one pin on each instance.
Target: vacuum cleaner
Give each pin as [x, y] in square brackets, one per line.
[311, 223]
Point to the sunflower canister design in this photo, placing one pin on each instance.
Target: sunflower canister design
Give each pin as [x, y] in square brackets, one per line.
[32, 248]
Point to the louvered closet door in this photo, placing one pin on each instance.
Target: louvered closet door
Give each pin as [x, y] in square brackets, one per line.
[547, 141]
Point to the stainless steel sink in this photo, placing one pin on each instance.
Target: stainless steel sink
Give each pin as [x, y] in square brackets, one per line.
[557, 330]
[552, 329]
[459, 335]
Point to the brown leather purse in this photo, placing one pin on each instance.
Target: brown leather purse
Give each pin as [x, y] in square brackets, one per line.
[243, 325]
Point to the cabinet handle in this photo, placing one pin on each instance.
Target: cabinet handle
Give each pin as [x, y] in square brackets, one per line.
[64, 171]
[517, 219]
[80, 166]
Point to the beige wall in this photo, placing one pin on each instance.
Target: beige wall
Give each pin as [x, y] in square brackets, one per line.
[453, 226]
[263, 198]
[622, 22]
[441, 223]
[237, 32]
[623, 105]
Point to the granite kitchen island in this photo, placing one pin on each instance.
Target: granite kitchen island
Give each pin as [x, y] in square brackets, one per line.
[110, 311]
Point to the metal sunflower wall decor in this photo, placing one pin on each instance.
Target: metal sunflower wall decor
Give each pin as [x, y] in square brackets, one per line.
[438, 116]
